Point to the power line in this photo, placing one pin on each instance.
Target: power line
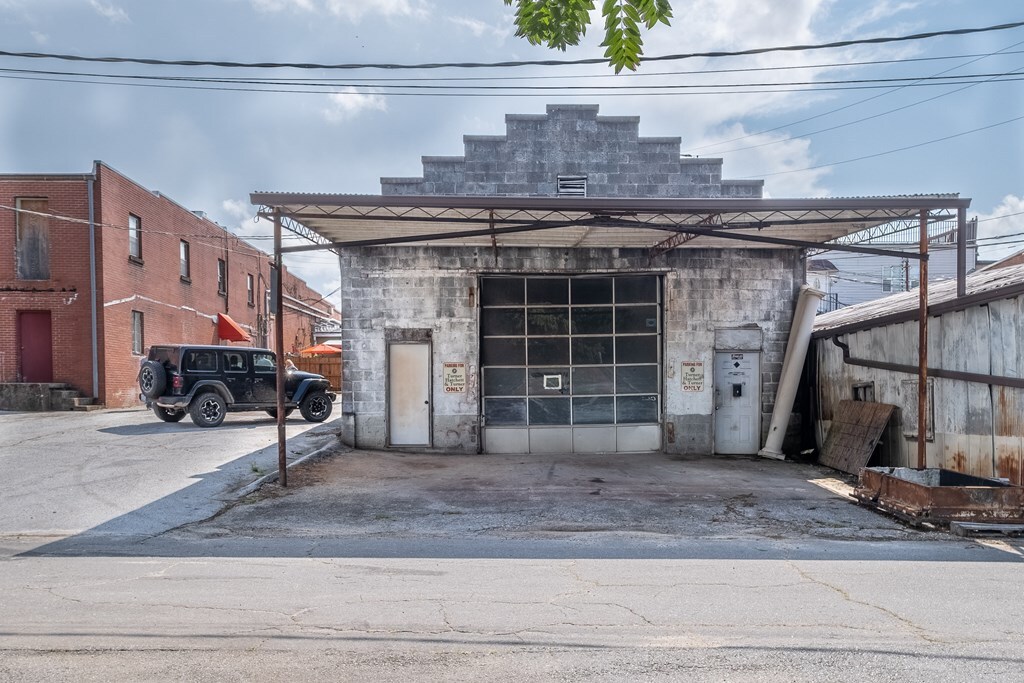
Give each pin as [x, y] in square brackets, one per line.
[507, 64]
[890, 151]
[364, 82]
[647, 91]
[561, 88]
[853, 104]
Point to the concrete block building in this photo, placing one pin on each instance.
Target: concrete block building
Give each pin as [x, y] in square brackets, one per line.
[571, 286]
[97, 268]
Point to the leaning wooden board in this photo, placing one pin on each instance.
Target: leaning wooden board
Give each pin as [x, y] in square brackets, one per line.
[856, 429]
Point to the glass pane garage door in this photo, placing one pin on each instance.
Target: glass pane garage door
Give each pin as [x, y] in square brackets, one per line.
[571, 364]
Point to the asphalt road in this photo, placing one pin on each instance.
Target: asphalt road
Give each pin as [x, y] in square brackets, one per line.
[123, 472]
[355, 574]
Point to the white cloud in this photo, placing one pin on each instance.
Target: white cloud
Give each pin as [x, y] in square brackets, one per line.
[480, 28]
[347, 105]
[352, 10]
[39, 37]
[1005, 219]
[110, 11]
[885, 9]
[281, 5]
[758, 154]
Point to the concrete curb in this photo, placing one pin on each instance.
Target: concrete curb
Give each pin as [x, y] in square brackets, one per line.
[321, 452]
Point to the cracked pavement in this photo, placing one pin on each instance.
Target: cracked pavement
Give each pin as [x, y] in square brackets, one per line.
[399, 567]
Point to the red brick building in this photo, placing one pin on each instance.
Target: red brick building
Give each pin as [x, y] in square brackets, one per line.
[96, 268]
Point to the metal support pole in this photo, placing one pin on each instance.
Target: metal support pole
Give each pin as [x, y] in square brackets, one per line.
[961, 252]
[922, 350]
[282, 448]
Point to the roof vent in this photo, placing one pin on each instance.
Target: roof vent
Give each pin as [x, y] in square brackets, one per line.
[572, 186]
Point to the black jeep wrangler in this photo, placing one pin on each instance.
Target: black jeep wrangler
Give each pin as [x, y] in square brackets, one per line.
[208, 381]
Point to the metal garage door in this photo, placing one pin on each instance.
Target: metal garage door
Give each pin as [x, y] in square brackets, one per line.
[571, 364]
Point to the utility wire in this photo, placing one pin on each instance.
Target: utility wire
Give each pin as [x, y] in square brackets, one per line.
[648, 91]
[889, 151]
[570, 77]
[476, 65]
[519, 88]
[865, 118]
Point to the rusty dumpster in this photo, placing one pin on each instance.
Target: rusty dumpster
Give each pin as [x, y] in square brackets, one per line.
[940, 496]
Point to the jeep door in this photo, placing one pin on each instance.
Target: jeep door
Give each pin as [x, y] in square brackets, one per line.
[264, 383]
[238, 375]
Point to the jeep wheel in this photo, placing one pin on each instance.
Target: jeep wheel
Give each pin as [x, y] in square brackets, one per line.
[272, 412]
[152, 379]
[316, 407]
[207, 410]
[168, 414]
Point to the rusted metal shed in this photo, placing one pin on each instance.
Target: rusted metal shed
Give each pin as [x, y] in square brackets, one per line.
[975, 409]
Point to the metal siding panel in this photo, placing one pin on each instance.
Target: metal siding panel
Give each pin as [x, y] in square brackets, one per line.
[550, 440]
[593, 440]
[513, 440]
[638, 438]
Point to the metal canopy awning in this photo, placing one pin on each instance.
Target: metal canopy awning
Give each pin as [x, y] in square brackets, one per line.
[339, 221]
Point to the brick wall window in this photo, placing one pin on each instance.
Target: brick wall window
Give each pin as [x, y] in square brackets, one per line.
[250, 290]
[138, 340]
[32, 251]
[134, 237]
[186, 265]
[222, 276]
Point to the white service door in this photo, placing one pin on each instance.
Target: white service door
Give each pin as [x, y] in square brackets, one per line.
[737, 403]
[409, 394]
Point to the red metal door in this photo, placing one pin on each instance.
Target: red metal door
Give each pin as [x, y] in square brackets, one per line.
[36, 346]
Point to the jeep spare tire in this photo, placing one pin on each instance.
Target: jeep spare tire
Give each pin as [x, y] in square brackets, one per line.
[316, 407]
[152, 379]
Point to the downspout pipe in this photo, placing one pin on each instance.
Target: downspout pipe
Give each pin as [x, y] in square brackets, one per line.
[94, 328]
[792, 366]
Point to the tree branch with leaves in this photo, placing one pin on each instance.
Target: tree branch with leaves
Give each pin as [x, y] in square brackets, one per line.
[560, 23]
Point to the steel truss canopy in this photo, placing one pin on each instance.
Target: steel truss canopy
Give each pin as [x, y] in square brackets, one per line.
[339, 221]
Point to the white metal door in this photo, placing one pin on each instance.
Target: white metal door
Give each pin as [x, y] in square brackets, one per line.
[737, 403]
[409, 394]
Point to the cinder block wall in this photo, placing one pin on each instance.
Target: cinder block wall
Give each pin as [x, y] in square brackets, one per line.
[570, 140]
[436, 289]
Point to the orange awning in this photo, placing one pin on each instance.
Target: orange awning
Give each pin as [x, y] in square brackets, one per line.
[229, 330]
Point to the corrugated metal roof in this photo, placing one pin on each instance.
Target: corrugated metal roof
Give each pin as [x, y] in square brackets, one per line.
[982, 286]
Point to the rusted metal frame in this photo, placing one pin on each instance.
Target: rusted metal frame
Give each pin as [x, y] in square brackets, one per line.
[483, 219]
[438, 236]
[922, 350]
[762, 239]
[275, 214]
[518, 227]
[895, 226]
[961, 251]
[670, 243]
[978, 378]
[282, 449]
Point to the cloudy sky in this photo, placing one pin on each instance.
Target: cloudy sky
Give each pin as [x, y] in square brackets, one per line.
[208, 144]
